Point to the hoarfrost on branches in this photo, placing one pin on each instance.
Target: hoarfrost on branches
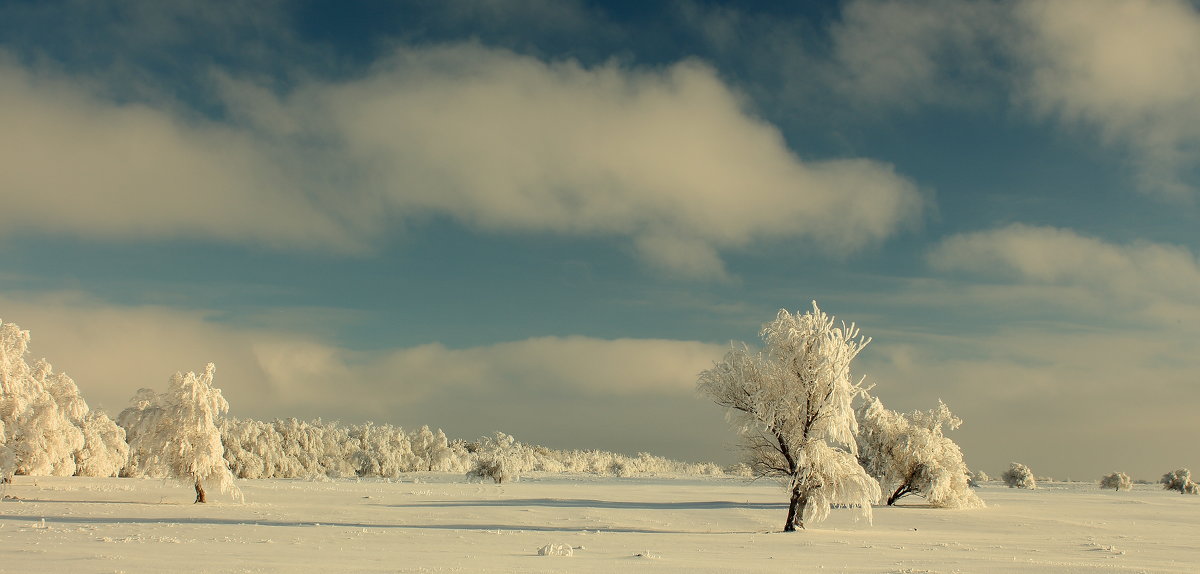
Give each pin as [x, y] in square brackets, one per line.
[1180, 481]
[1019, 476]
[910, 455]
[501, 458]
[1116, 481]
[175, 434]
[105, 451]
[792, 402]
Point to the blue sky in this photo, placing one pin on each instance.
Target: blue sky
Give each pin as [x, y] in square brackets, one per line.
[547, 217]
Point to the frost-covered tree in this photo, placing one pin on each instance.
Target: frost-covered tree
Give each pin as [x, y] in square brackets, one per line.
[792, 403]
[1180, 481]
[48, 427]
[8, 462]
[1019, 476]
[1116, 481]
[45, 442]
[104, 451]
[909, 455]
[501, 458]
[978, 477]
[175, 434]
[433, 449]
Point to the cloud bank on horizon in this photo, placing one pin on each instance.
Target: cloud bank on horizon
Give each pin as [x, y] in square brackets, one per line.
[548, 217]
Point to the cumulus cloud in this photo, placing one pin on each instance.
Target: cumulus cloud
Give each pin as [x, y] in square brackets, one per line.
[1129, 68]
[1161, 278]
[76, 164]
[669, 158]
[665, 156]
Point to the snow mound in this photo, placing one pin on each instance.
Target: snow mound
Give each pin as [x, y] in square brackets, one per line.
[556, 550]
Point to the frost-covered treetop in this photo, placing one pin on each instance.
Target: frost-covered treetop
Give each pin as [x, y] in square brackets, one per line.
[805, 352]
[15, 376]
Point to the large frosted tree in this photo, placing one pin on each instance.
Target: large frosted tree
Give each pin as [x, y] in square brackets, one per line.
[176, 434]
[792, 402]
[47, 427]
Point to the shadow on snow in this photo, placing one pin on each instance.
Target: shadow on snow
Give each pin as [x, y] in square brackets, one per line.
[599, 504]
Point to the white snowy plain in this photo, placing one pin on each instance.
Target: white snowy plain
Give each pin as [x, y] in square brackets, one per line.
[441, 523]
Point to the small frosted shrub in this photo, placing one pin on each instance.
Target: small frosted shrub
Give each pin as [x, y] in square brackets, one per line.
[1180, 481]
[500, 458]
[978, 477]
[1117, 481]
[1019, 476]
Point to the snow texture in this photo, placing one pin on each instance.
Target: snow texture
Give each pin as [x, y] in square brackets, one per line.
[445, 524]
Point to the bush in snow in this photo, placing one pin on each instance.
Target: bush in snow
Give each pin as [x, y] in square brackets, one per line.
[501, 458]
[792, 402]
[175, 434]
[48, 428]
[1181, 481]
[978, 477]
[1019, 476]
[1116, 481]
[909, 454]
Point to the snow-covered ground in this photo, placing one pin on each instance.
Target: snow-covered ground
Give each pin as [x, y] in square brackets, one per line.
[440, 523]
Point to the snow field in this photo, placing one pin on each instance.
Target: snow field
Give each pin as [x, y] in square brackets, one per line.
[557, 523]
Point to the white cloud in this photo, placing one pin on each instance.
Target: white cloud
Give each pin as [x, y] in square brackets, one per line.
[664, 157]
[1127, 67]
[1130, 69]
[77, 165]
[1160, 279]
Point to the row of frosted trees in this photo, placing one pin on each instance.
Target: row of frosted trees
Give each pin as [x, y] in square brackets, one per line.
[292, 448]
[46, 428]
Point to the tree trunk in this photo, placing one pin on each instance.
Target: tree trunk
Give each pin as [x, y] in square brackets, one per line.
[900, 492]
[200, 498]
[796, 510]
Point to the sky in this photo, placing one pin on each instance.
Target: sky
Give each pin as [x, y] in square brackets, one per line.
[546, 217]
